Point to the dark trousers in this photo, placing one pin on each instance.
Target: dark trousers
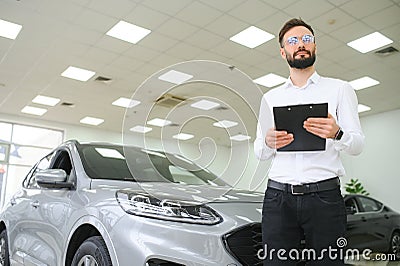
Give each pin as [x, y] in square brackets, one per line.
[319, 218]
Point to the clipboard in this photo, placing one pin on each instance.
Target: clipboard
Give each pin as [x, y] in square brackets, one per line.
[291, 119]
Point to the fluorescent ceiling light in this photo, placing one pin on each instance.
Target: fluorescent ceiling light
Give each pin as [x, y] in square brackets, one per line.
[45, 100]
[204, 105]
[175, 77]
[128, 32]
[364, 82]
[370, 42]
[183, 136]
[141, 129]
[240, 137]
[270, 80]
[110, 153]
[9, 30]
[159, 122]
[225, 124]
[78, 73]
[363, 108]
[91, 121]
[33, 110]
[125, 102]
[252, 37]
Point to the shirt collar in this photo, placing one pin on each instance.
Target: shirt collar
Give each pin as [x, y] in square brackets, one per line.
[314, 78]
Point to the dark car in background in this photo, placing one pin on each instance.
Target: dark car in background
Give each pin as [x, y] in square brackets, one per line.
[372, 225]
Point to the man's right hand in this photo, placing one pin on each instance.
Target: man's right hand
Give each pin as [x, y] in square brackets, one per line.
[278, 139]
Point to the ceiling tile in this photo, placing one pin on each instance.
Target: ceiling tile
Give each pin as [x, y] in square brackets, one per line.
[184, 51]
[281, 4]
[332, 20]
[204, 39]
[352, 32]
[170, 7]
[112, 44]
[158, 42]
[112, 9]
[176, 29]
[223, 5]
[229, 49]
[198, 14]
[326, 44]
[307, 9]
[363, 8]
[227, 26]
[141, 52]
[146, 17]
[252, 11]
[92, 20]
[385, 18]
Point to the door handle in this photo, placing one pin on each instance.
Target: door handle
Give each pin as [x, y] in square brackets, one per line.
[35, 204]
[363, 219]
[386, 216]
[13, 201]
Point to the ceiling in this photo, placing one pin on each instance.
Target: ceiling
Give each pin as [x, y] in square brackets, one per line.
[57, 34]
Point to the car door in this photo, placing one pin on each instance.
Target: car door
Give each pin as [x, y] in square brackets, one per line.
[376, 224]
[355, 225]
[23, 216]
[52, 207]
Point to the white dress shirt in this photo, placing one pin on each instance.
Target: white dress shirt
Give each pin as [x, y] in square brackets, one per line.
[307, 167]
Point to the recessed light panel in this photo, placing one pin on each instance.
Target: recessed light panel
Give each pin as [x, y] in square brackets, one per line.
[91, 121]
[364, 82]
[128, 32]
[370, 42]
[183, 136]
[78, 73]
[9, 30]
[252, 37]
[175, 77]
[204, 105]
[33, 110]
[45, 100]
[159, 122]
[270, 80]
[240, 137]
[141, 129]
[225, 124]
[363, 108]
[125, 102]
[110, 153]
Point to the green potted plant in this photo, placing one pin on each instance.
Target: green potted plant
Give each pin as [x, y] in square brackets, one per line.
[355, 187]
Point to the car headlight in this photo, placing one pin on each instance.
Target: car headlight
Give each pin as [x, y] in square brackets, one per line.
[142, 204]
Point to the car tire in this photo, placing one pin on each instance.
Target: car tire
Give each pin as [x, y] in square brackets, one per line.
[92, 251]
[395, 245]
[4, 255]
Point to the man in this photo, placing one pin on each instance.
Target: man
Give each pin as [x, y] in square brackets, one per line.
[303, 198]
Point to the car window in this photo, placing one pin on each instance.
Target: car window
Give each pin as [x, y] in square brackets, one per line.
[110, 162]
[62, 161]
[351, 205]
[43, 164]
[369, 205]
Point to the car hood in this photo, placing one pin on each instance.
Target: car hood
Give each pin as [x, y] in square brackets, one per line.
[176, 191]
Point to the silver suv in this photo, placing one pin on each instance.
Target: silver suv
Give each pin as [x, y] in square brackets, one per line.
[104, 204]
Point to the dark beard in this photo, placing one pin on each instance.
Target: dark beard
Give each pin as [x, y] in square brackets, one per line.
[301, 63]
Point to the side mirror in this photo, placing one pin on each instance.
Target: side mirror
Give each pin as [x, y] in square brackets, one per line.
[351, 210]
[52, 178]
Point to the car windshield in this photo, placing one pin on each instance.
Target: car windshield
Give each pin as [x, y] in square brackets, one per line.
[142, 165]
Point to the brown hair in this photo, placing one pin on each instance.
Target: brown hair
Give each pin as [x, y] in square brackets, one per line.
[294, 22]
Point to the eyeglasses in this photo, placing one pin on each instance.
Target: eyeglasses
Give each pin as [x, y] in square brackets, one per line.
[294, 40]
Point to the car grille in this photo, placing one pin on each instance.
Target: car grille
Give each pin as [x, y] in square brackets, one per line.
[243, 244]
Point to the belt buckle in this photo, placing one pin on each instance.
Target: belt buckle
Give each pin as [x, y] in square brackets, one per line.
[295, 193]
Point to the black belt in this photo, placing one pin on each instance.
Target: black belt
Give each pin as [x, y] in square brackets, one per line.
[323, 185]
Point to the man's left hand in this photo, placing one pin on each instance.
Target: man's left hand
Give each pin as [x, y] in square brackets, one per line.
[322, 127]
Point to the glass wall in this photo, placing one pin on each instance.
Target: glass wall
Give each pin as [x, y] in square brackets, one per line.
[21, 146]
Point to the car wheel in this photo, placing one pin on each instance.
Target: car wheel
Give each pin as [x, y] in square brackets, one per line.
[4, 256]
[395, 245]
[92, 252]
